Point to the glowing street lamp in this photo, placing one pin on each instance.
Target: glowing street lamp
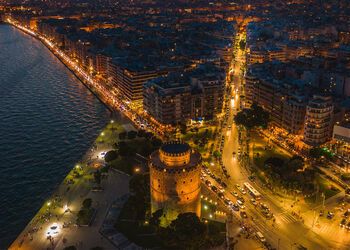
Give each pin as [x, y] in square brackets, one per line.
[66, 208]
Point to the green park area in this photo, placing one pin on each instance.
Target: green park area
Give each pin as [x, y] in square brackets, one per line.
[278, 169]
[129, 147]
[201, 138]
[325, 188]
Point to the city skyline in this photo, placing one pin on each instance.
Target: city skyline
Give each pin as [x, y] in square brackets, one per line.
[229, 124]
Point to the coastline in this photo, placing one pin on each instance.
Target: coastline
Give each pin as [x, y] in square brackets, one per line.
[30, 229]
[70, 193]
[110, 107]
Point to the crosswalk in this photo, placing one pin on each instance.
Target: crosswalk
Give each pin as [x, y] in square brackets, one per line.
[286, 218]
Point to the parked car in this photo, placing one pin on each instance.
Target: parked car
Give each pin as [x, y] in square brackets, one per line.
[235, 207]
[244, 214]
[330, 215]
[234, 193]
[343, 223]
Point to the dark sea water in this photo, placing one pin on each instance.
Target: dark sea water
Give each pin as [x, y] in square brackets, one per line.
[48, 119]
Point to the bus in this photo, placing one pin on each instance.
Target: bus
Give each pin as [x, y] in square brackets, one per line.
[256, 195]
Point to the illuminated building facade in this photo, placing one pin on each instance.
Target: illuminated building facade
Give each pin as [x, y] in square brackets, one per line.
[318, 120]
[178, 97]
[175, 180]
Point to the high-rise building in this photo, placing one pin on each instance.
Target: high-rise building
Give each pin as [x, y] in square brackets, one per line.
[318, 120]
[179, 97]
[175, 183]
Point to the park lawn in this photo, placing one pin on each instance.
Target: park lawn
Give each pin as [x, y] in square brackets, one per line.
[259, 144]
[326, 187]
[194, 139]
[265, 154]
[109, 134]
[124, 164]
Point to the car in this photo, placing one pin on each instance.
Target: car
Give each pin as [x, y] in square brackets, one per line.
[241, 199]
[240, 204]
[253, 201]
[260, 237]
[264, 206]
[208, 183]
[346, 214]
[227, 201]
[215, 189]
[244, 214]
[53, 230]
[330, 215]
[251, 177]
[238, 186]
[269, 215]
[234, 193]
[348, 226]
[235, 207]
[343, 223]
[221, 195]
[224, 184]
[242, 190]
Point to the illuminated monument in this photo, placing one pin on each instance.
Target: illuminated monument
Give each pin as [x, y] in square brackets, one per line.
[175, 183]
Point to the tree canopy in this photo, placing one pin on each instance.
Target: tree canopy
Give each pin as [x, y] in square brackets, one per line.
[318, 153]
[87, 203]
[186, 232]
[252, 117]
[111, 155]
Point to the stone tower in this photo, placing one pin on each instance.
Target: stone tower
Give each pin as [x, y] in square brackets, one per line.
[175, 183]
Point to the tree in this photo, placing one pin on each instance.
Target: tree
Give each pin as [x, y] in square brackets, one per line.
[132, 135]
[319, 153]
[111, 156]
[87, 203]
[155, 218]
[252, 117]
[183, 128]
[122, 135]
[156, 143]
[217, 154]
[242, 44]
[187, 231]
[149, 135]
[124, 149]
[139, 184]
[141, 133]
[97, 177]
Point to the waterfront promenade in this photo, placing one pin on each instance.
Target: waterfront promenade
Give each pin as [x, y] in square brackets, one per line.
[54, 226]
[107, 95]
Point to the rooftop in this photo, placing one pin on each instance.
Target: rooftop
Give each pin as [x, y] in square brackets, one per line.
[175, 148]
